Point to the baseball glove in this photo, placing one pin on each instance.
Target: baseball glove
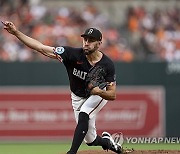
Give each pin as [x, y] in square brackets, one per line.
[95, 78]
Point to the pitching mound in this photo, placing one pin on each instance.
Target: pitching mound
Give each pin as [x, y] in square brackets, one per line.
[134, 152]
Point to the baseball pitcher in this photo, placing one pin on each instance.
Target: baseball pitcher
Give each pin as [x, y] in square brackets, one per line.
[92, 82]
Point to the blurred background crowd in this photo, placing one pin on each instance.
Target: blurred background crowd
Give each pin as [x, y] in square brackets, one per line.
[144, 35]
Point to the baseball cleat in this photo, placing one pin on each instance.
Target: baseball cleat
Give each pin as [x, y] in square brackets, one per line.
[115, 147]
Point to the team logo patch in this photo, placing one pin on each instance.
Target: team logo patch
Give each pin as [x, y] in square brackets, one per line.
[90, 31]
[59, 50]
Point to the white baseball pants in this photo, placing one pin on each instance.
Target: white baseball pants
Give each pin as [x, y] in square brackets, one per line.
[91, 106]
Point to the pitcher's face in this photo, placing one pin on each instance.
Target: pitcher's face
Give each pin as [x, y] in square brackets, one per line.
[90, 45]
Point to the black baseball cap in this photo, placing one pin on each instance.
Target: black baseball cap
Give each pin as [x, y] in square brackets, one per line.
[93, 32]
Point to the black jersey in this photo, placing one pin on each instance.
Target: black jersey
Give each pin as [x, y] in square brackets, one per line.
[77, 67]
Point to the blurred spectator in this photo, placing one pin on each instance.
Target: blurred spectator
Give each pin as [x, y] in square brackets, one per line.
[155, 36]
[55, 27]
[151, 36]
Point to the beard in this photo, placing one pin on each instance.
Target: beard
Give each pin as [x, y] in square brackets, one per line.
[89, 51]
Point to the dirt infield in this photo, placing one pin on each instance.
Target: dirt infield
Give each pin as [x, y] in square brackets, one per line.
[134, 152]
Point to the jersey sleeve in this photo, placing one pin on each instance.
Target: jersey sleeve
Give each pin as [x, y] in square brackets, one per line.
[63, 53]
[110, 76]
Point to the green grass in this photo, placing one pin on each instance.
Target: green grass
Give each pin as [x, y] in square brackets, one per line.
[62, 148]
[38, 148]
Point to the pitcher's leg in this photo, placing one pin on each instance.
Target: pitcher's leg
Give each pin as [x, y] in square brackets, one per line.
[82, 124]
[91, 134]
[92, 139]
[80, 132]
[93, 105]
[88, 110]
